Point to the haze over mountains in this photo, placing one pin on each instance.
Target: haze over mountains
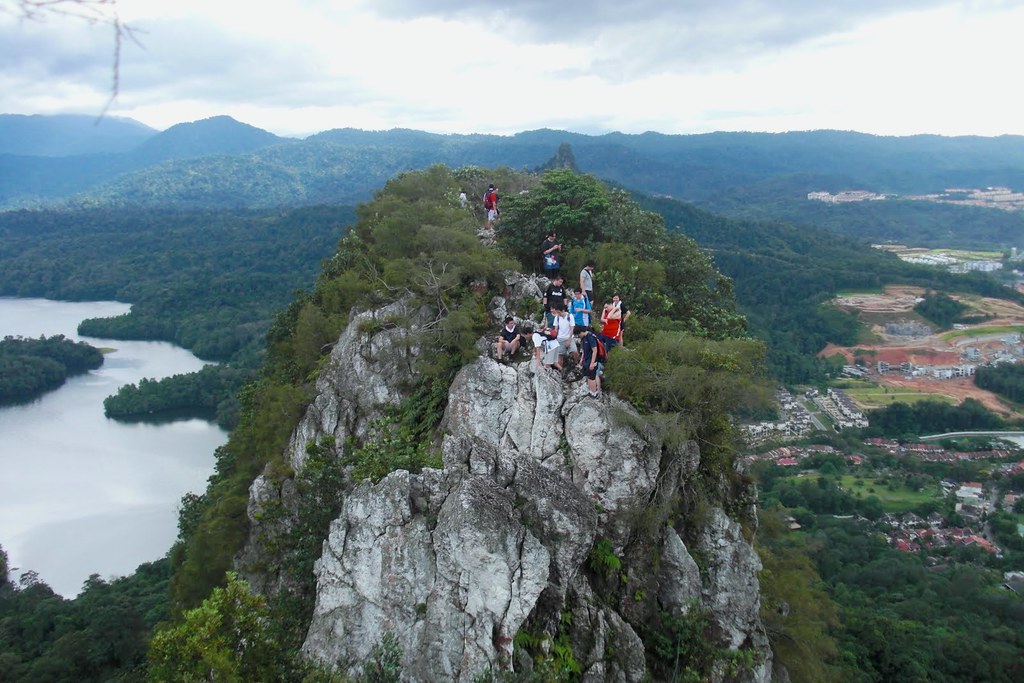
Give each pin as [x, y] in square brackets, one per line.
[219, 162]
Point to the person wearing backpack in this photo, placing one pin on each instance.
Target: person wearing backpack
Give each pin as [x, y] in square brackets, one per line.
[594, 355]
[491, 205]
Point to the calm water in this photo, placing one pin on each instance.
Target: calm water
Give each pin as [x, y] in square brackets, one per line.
[81, 494]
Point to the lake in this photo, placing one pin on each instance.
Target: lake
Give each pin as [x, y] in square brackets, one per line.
[82, 494]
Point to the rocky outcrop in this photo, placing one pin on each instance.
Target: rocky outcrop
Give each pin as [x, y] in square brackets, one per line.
[457, 562]
[551, 539]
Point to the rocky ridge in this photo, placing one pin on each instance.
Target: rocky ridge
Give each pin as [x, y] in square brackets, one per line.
[552, 536]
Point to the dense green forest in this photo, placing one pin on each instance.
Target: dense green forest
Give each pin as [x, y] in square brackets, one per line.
[207, 393]
[1005, 379]
[784, 275]
[902, 620]
[888, 615]
[209, 281]
[102, 635]
[30, 367]
[941, 309]
[931, 417]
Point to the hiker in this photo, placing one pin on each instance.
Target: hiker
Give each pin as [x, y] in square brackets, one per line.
[550, 252]
[555, 294]
[491, 204]
[541, 343]
[563, 334]
[579, 309]
[612, 318]
[594, 355]
[463, 199]
[509, 339]
[587, 280]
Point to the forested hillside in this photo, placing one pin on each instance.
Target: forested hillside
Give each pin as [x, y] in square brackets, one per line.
[784, 275]
[220, 162]
[29, 367]
[209, 281]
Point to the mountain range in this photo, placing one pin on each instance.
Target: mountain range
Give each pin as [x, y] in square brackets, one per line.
[219, 162]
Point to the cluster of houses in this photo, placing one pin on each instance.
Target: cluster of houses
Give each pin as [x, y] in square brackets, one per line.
[792, 456]
[934, 371]
[912, 533]
[845, 196]
[794, 421]
[841, 409]
[931, 452]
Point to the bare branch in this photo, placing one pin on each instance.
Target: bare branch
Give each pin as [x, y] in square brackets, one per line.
[92, 12]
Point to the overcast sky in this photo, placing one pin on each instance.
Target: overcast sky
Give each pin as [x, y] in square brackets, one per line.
[294, 67]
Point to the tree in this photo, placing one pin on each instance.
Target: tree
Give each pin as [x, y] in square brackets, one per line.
[226, 638]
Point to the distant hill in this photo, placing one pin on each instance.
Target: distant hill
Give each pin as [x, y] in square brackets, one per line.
[39, 180]
[220, 162]
[70, 135]
[216, 135]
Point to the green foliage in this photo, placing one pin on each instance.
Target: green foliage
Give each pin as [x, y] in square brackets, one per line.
[566, 202]
[226, 638]
[30, 367]
[797, 613]
[603, 560]
[211, 391]
[385, 663]
[1005, 379]
[931, 417]
[553, 658]
[99, 636]
[389, 448]
[941, 309]
[682, 648]
[655, 272]
[699, 379]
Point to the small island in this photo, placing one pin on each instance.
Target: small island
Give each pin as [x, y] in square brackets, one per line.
[31, 367]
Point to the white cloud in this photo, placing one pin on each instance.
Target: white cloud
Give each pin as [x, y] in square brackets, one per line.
[295, 67]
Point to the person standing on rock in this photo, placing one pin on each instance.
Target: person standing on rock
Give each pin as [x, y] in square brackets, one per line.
[563, 328]
[612, 318]
[551, 254]
[491, 205]
[554, 295]
[540, 347]
[591, 359]
[587, 280]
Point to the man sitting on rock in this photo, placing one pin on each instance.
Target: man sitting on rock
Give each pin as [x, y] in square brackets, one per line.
[509, 339]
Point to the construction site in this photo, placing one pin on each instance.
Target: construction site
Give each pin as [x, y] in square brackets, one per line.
[904, 358]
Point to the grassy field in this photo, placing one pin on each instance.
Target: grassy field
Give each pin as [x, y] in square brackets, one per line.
[869, 396]
[982, 331]
[899, 500]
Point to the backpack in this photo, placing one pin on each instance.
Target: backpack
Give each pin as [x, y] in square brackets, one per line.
[602, 353]
[606, 342]
[488, 200]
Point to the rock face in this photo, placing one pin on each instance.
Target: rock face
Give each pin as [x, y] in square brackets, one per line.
[550, 540]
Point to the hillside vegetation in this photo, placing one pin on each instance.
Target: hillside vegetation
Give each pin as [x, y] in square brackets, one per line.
[221, 162]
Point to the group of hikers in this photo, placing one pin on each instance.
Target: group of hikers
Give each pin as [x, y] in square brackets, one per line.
[568, 330]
